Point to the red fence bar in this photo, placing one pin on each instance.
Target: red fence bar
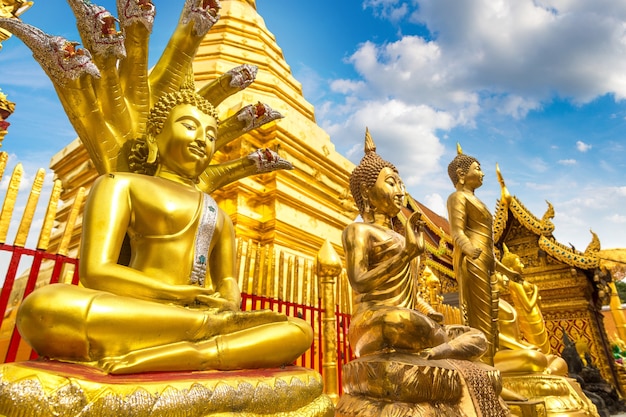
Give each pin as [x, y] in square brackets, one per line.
[19, 254]
[311, 314]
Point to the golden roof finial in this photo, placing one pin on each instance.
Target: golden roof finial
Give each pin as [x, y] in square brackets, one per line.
[369, 142]
[594, 245]
[459, 151]
[506, 196]
[549, 214]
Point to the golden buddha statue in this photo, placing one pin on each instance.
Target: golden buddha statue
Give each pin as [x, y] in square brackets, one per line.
[516, 353]
[473, 258]
[176, 305]
[397, 335]
[158, 265]
[389, 315]
[525, 296]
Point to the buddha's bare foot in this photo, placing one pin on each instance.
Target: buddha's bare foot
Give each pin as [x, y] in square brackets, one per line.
[118, 364]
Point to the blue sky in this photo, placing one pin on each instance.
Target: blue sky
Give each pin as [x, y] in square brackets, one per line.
[537, 86]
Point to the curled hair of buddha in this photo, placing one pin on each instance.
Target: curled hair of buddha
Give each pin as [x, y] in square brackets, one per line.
[462, 162]
[163, 107]
[367, 171]
[138, 153]
[138, 158]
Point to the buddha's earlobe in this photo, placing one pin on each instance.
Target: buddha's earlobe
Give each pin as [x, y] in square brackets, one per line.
[152, 149]
[460, 175]
[365, 197]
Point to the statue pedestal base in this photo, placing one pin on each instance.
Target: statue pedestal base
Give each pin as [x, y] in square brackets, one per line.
[562, 396]
[527, 408]
[404, 385]
[50, 388]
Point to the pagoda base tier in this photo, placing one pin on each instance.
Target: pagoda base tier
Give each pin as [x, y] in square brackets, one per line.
[48, 388]
[402, 385]
[562, 396]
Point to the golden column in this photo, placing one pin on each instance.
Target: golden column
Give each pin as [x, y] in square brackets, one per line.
[328, 269]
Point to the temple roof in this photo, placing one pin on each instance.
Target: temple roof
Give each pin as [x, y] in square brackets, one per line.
[543, 228]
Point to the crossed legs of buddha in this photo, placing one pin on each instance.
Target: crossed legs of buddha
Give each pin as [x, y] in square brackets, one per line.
[127, 335]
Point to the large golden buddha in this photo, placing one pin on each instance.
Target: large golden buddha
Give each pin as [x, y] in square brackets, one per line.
[176, 305]
[158, 271]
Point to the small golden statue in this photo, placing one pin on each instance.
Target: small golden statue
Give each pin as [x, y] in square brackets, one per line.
[401, 346]
[530, 370]
[516, 352]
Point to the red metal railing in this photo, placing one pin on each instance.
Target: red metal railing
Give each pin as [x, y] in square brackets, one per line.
[313, 315]
[9, 336]
[12, 348]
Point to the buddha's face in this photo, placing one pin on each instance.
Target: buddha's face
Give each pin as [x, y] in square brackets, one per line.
[474, 176]
[387, 194]
[503, 282]
[187, 141]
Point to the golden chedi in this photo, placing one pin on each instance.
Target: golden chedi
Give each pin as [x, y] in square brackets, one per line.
[158, 304]
[408, 363]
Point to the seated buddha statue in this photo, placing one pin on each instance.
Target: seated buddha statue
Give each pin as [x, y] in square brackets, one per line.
[176, 305]
[516, 353]
[389, 316]
[408, 362]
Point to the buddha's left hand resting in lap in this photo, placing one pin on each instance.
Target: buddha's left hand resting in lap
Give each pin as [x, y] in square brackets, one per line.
[175, 307]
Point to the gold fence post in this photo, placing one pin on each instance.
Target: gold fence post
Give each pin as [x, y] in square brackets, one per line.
[328, 269]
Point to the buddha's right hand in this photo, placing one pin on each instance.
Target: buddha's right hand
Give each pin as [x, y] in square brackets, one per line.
[414, 240]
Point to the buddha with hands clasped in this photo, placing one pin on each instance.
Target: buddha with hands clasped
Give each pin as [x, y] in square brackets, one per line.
[175, 306]
[389, 315]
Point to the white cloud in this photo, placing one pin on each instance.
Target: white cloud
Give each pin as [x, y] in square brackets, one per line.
[436, 203]
[582, 146]
[617, 218]
[567, 162]
[404, 135]
[392, 10]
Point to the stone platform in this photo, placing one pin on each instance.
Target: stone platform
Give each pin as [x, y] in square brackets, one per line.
[403, 385]
[54, 389]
